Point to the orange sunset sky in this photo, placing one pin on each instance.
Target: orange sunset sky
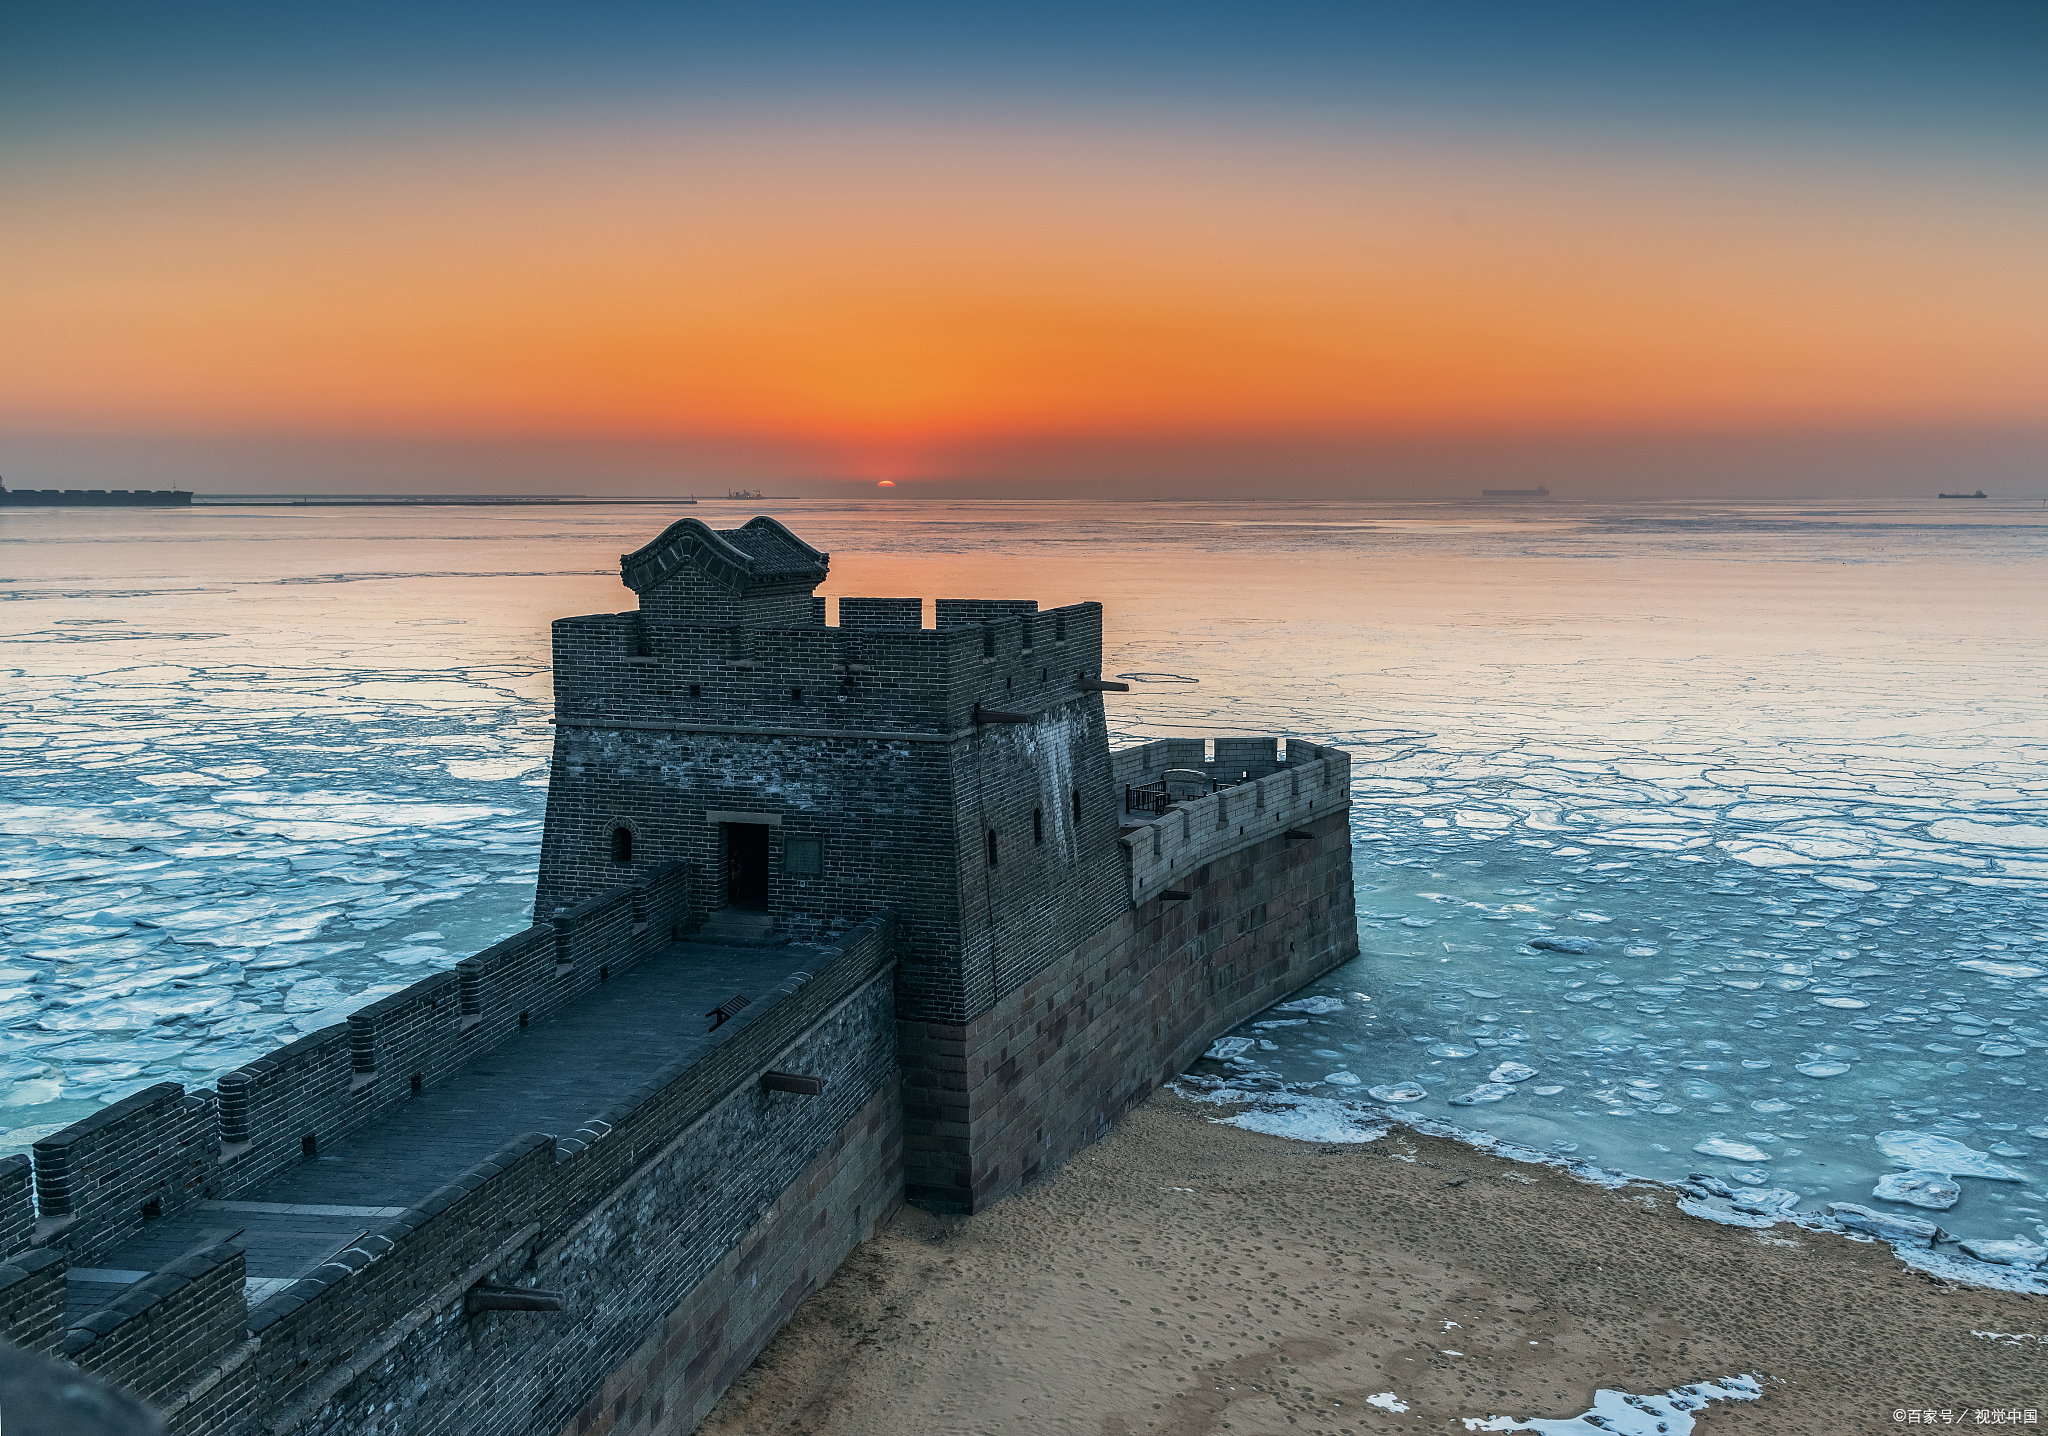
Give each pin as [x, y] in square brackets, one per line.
[658, 288]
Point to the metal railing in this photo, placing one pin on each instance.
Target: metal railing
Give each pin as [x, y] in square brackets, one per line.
[1177, 785]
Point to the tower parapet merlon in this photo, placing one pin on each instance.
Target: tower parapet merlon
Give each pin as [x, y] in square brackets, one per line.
[1258, 789]
[621, 669]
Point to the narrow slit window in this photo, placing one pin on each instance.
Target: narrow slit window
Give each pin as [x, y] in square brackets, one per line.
[622, 845]
[696, 690]
[1038, 825]
[1077, 805]
[991, 847]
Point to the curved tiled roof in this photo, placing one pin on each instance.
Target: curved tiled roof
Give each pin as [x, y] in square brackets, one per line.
[759, 553]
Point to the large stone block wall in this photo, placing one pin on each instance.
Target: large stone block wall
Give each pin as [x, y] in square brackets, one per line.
[678, 1184]
[992, 1104]
[644, 1215]
[101, 1181]
[629, 1216]
[674, 1377]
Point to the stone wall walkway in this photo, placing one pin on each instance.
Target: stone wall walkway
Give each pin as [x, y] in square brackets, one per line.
[553, 1077]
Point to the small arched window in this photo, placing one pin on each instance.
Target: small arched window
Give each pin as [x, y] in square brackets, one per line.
[1038, 825]
[622, 845]
[991, 847]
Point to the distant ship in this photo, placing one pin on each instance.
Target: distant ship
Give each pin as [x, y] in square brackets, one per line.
[1514, 493]
[1978, 495]
[91, 498]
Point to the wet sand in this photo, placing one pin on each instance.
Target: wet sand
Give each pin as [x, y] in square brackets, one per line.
[1182, 1277]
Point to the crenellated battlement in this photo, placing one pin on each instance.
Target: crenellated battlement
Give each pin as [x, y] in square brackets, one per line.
[831, 915]
[217, 1347]
[621, 668]
[1262, 788]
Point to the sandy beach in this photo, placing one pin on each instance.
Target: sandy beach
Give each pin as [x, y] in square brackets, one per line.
[1183, 1277]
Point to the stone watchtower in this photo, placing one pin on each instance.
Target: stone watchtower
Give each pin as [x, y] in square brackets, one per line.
[809, 774]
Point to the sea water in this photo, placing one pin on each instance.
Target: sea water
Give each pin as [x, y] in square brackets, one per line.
[1691, 838]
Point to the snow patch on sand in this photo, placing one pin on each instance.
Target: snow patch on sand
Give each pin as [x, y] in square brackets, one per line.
[1617, 1413]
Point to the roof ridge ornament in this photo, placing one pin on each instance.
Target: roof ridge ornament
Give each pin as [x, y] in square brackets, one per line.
[723, 555]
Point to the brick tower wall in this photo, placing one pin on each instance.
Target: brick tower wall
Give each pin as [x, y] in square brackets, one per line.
[993, 1103]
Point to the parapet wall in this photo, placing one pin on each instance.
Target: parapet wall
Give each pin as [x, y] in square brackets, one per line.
[152, 1337]
[628, 1219]
[894, 677]
[1309, 783]
[993, 1103]
[102, 1178]
[101, 1181]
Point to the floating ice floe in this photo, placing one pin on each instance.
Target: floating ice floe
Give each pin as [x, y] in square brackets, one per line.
[1485, 1092]
[1314, 1006]
[1922, 1151]
[1846, 1003]
[1734, 1151]
[1450, 1049]
[1890, 1225]
[1765, 1201]
[1618, 1413]
[1821, 1069]
[1342, 1079]
[1729, 1216]
[2018, 1252]
[1407, 1092]
[1511, 1072]
[1993, 968]
[1932, 1190]
[1225, 1048]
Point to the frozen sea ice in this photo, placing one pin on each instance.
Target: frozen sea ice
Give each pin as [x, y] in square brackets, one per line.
[1922, 1151]
[1406, 1092]
[2018, 1252]
[1889, 1225]
[1734, 1151]
[1932, 1190]
[1484, 1092]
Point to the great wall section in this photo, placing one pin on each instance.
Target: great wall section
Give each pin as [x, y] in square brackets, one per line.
[830, 917]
